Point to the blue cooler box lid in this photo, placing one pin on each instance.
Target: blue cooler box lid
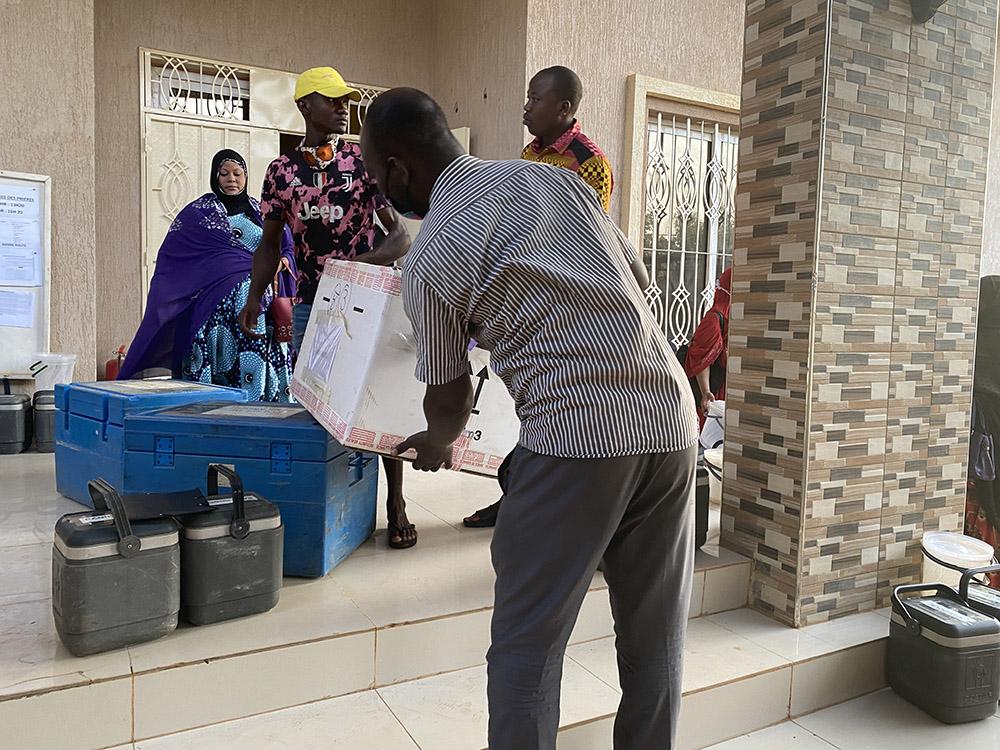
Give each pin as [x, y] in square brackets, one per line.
[110, 401]
[247, 430]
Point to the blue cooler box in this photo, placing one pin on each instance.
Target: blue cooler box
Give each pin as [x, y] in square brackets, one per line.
[90, 423]
[326, 493]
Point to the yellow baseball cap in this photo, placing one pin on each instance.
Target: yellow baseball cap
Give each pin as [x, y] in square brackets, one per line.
[325, 81]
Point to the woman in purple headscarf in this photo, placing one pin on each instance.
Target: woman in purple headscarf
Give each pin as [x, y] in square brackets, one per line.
[200, 285]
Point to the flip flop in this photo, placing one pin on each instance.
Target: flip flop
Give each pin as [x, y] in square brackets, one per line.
[396, 531]
[485, 518]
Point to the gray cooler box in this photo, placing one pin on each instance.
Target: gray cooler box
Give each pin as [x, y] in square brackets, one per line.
[980, 597]
[114, 583]
[44, 405]
[944, 657]
[15, 423]
[230, 556]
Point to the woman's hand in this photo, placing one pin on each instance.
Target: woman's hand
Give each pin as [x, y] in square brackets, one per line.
[706, 399]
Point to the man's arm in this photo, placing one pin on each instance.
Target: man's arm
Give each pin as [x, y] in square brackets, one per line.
[447, 408]
[265, 265]
[596, 172]
[441, 335]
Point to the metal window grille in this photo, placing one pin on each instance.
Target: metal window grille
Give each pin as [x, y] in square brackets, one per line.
[688, 222]
[195, 87]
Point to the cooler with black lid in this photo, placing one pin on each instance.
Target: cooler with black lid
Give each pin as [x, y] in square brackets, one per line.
[979, 596]
[15, 423]
[90, 424]
[114, 582]
[230, 556]
[44, 405]
[944, 657]
[326, 493]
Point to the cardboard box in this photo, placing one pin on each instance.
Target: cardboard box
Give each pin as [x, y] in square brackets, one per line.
[355, 372]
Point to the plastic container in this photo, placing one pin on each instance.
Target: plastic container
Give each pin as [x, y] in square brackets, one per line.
[90, 426]
[230, 556]
[943, 656]
[980, 596]
[50, 369]
[713, 434]
[44, 403]
[114, 583]
[948, 555]
[327, 494]
[15, 423]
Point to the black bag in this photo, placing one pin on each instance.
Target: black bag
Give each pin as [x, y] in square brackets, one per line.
[716, 372]
[982, 456]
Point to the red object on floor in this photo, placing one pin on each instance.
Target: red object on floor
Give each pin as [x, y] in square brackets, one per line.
[113, 365]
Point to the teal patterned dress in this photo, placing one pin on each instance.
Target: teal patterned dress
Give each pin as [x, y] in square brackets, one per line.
[222, 354]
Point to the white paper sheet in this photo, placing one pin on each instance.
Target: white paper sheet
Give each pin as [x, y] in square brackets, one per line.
[20, 202]
[20, 252]
[17, 309]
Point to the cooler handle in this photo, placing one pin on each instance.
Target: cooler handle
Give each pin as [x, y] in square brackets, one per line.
[912, 624]
[239, 528]
[967, 576]
[106, 498]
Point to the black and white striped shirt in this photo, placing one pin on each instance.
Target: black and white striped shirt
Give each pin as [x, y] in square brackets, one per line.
[522, 258]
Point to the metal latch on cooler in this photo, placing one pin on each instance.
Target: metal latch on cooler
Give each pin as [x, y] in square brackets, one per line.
[281, 458]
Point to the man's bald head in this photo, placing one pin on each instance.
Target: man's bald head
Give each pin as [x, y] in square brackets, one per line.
[406, 144]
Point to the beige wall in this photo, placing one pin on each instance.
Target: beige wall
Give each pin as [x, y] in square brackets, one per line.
[695, 42]
[380, 42]
[47, 122]
[478, 71]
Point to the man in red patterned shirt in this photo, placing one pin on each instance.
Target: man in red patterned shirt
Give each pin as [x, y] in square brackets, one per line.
[322, 192]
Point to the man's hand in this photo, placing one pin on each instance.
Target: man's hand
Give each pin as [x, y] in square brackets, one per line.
[431, 456]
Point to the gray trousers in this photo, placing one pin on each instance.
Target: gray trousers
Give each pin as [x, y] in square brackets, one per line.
[559, 518]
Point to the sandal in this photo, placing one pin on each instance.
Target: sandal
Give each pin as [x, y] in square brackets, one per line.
[397, 531]
[485, 518]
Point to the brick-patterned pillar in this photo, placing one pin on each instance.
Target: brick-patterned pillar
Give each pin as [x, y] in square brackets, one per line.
[863, 153]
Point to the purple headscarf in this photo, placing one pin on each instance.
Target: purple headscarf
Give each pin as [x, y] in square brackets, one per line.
[199, 263]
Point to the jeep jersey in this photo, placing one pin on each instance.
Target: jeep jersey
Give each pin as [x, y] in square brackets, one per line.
[331, 212]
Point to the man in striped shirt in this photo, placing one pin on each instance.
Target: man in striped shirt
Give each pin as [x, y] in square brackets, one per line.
[554, 95]
[522, 258]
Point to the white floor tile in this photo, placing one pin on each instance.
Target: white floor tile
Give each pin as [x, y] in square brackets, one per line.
[786, 642]
[408, 652]
[719, 713]
[27, 573]
[81, 718]
[884, 721]
[451, 496]
[353, 722]
[837, 677]
[726, 588]
[449, 712]
[784, 736]
[307, 610]
[185, 697]
[713, 654]
[593, 735]
[852, 630]
[696, 607]
[33, 659]
[595, 617]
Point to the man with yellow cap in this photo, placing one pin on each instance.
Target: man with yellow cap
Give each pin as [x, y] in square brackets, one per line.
[322, 192]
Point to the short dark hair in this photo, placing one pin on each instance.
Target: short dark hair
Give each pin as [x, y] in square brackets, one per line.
[565, 82]
[407, 117]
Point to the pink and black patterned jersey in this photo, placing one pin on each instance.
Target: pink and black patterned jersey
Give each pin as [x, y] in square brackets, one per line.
[330, 211]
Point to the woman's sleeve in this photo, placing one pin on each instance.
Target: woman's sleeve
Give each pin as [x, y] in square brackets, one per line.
[706, 345]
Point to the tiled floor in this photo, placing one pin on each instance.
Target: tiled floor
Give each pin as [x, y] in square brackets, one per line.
[880, 721]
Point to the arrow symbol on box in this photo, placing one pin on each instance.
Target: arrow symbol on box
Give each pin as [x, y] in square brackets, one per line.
[483, 376]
